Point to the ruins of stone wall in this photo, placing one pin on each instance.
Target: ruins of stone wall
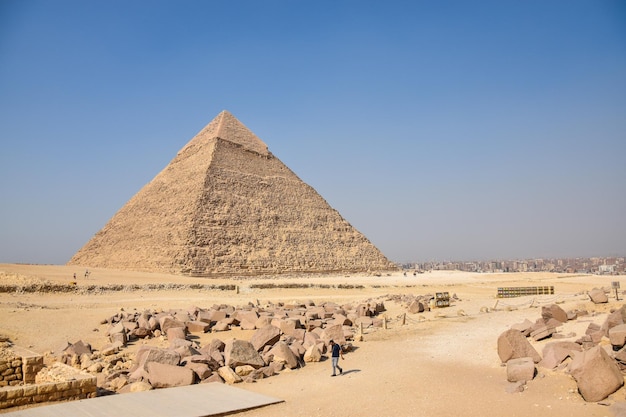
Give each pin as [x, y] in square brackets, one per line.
[81, 387]
[20, 375]
[10, 370]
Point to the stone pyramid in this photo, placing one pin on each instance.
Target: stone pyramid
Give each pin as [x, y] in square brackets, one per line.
[226, 206]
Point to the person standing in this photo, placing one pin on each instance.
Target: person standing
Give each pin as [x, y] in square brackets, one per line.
[335, 354]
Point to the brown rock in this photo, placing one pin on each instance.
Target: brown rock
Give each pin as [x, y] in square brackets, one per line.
[596, 374]
[265, 336]
[556, 352]
[553, 311]
[198, 326]
[617, 335]
[228, 375]
[241, 352]
[154, 354]
[313, 354]
[283, 354]
[512, 345]
[520, 369]
[598, 296]
[162, 375]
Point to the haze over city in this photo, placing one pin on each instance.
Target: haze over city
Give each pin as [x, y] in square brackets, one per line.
[441, 130]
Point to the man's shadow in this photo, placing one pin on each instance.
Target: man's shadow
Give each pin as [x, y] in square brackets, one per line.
[350, 371]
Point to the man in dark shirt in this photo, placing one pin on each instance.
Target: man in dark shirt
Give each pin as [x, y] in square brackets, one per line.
[335, 354]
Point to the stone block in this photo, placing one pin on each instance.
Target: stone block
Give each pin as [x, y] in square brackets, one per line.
[163, 375]
[520, 369]
[512, 345]
[596, 374]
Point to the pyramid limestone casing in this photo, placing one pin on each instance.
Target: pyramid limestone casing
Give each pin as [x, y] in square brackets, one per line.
[226, 206]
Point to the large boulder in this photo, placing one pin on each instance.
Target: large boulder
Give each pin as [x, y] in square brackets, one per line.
[241, 352]
[512, 345]
[617, 336]
[334, 332]
[282, 353]
[596, 374]
[154, 354]
[163, 375]
[265, 336]
[313, 354]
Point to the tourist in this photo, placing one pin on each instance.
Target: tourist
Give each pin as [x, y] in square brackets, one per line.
[335, 354]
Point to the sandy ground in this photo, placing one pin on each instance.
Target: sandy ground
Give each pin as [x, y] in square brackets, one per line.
[442, 362]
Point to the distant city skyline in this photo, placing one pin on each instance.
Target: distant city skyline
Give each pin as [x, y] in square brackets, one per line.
[445, 130]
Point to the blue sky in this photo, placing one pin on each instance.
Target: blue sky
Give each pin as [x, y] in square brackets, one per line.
[442, 130]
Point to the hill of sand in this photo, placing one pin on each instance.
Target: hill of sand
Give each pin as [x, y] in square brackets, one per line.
[441, 362]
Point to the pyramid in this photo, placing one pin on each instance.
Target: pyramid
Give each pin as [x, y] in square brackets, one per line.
[226, 206]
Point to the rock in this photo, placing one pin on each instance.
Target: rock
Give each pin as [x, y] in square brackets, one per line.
[148, 355]
[313, 354]
[282, 353]
[162, 375]
[596, 374]
[617, 335]
[542, 332]
[215, 377]
[78, 348]
[416, 307]
[512, 345]
[553, 311]
[556, 352]
[520, 370]
[524, 327]
[241, 352]
[198, 326]
[228, 375]
[221, 326]
[265, 336]
[141, 332]
[202, 370]
[334, 332]
[138, 386]
[598, 296]
[174, 333]
[167, 322]
[244, 370]
[515, 387]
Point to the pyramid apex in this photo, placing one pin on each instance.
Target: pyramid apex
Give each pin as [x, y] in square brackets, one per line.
[227, 127]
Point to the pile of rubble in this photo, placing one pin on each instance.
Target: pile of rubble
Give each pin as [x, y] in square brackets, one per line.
[285, 336]
[595, 360]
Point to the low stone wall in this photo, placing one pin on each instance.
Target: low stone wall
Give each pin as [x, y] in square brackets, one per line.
[24, 380]
[10, 369]
[83, 386]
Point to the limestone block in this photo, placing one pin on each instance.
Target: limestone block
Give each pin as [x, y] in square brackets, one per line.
[241, 352]
[162, 375]
[520, 369]
[617, 335]
[512, 345]
[596, 374]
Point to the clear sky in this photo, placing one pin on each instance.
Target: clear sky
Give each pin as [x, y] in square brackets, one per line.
[442, 130]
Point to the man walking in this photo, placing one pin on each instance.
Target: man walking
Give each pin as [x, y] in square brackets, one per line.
[335, 354]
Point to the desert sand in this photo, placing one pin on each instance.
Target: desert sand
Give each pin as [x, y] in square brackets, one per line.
[440, 362]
